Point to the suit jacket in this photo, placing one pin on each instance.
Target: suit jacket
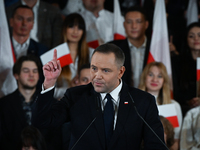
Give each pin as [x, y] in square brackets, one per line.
[36, 48]
[123, 44]
[13, 121]
[49, 23]
[81, 105]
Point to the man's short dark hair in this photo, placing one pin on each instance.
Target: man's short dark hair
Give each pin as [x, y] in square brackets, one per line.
[21, 6]
[111, 48]
[18, 64]
[138, 9]
[85, 66]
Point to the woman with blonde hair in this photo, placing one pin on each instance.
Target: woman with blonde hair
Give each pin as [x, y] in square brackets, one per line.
[154, 80]
[74, 34]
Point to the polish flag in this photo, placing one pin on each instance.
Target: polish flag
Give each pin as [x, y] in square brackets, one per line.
[93, 36]
[63, 54]
[168, 111]
[8, 83]
[118, 28]
[192, 12]
[159, 48]
[198, 68]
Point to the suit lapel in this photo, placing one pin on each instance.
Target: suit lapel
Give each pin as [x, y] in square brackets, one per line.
[96, 111]
[123, 112]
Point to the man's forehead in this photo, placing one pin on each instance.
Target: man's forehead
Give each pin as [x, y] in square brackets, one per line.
[134, 14]
[29, 64]
[23, 12]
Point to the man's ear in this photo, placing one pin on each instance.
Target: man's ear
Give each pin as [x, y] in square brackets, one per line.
[16, 76]
[121, 72]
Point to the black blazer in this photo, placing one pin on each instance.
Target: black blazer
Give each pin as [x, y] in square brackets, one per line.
[13, 121]
[123, 44]
[81, 105]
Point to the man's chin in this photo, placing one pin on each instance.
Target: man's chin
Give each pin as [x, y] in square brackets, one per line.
[99, 89]
[29, 87]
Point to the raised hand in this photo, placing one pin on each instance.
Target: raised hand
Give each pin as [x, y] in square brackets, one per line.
[51, 71]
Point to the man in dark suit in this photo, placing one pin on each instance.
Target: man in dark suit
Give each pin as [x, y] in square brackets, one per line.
[22, 22]
[102, 113]
[136, 45]
[16, 108]
[47, 23]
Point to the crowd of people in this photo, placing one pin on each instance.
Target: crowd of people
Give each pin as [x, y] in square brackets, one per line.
[53, 106]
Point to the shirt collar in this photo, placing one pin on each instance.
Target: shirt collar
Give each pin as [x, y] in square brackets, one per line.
[91, 14]
[143, 45]
[15, 43]
[114, 93]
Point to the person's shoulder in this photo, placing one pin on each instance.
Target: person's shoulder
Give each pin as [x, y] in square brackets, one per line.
[137, 92]
[195, 112]
[7, 99]
[82, 89]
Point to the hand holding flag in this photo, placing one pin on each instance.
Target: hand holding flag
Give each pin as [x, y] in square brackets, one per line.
[51, 71]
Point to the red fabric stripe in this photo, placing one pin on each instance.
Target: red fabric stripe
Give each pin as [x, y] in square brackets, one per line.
[65, 60]
[118, 37]
[93, 44]
[150, 58]
[198, 75]
[174, 121]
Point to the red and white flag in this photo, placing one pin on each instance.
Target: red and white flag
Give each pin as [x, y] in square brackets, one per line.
[198, 68]
[159, 48]
[118, 28]
[170, 115]
[63, 54]
[192, 12]
[93, 36]
[7, 81]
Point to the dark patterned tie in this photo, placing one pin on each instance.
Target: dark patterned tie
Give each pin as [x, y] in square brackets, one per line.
[108, 118]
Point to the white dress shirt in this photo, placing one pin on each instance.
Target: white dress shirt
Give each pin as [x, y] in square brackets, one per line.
[190, 133]
[100, 27]
[34, 31]
[137, 61]
[20, 49]
[115, 94]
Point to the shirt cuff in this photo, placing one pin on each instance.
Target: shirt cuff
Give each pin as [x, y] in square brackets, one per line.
[47, 90]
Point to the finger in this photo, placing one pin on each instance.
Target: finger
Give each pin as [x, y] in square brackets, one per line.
[59, 65]
[55, 58]
[46, 67]
[51, 66]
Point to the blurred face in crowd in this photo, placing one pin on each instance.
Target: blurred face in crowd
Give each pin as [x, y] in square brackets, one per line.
[22, 22]
[74, 34]
[84, 77]
[154, 80]
[135, 25]
[105, 72]
[29, 75]
[93, 5]
[193, 38]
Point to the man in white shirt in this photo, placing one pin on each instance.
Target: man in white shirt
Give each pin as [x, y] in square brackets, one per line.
[99, 22]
